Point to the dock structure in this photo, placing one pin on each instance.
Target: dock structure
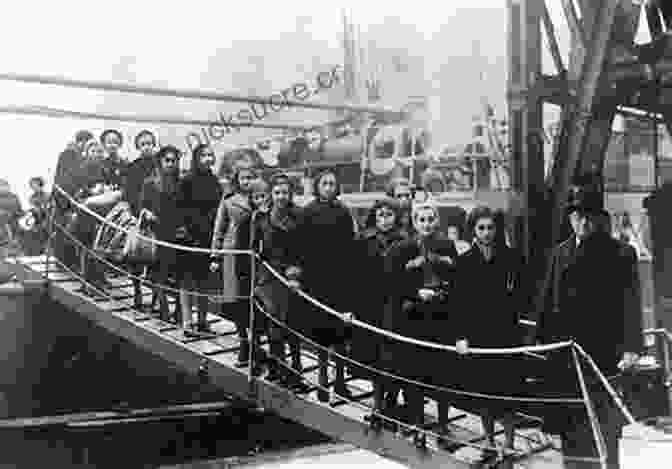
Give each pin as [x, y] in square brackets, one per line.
[213, 359]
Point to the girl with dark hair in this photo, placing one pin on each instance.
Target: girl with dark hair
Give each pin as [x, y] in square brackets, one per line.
[92, 184]
[140, 169]
[269, 230]
[327, 235]
[274, 238]
[382, 230]
[199, 195]
[401, 190]
[145, 142]
[114, 165]
[420, 276]
[491, 296]
[232, 209]
[159, 197]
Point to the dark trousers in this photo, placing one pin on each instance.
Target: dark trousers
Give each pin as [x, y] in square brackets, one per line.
[62, 246]
[578, 440]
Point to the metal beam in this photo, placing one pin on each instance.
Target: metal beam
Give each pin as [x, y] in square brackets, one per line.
[188, 93]
[552, 40]
[575, 26]
[147, 119]
[582, 115]
[525, 83]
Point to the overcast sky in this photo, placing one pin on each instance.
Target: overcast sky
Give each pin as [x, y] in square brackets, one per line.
[218, 45]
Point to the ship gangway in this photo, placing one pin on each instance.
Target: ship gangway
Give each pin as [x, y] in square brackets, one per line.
[214, 358]
[459, 442]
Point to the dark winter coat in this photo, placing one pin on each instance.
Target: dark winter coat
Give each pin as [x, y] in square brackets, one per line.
[162, 201]
[67, 174]
[275, 239]
[372, 247]
[326, 236]
[137, 171]
[592, 298]
[491, 294]
[408, 315]
[199, 194]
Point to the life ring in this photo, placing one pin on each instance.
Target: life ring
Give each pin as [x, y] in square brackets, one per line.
[28, 221]
[384, 150]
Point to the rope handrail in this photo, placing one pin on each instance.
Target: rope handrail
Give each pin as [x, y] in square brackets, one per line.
[433, 387]
[305, 339]
[619, 403]
[389, 334]
[137, 313]
[148, 119]
[660, 330]
[350, 401]
[483, 447]
[410, 340]
[158, 242]
[185, 93]
[92, 253]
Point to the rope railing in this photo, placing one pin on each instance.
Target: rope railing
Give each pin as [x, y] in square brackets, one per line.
[97, 290]
[346, 359]
[431, 387]
[660, 331]
[317, 303]
[116, 268]
[316, 345]
[158, 242]
[401, 424]
[409, 340]
[349, 319]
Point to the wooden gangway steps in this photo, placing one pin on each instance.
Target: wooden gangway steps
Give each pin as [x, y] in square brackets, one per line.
[214, 358]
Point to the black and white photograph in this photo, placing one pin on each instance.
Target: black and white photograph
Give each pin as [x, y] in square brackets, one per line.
[355, 234]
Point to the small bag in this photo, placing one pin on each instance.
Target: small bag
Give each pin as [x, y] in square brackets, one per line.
[140, 250]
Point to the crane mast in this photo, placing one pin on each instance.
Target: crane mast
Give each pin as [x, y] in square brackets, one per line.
[605, 72]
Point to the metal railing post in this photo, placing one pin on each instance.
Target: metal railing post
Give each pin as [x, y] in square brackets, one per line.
[665, 342]
[592, 415]
[251, 332]
[50, 232]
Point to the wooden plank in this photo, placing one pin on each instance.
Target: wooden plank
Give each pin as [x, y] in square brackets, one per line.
[112, 296]
[159, 325]
[206, 347]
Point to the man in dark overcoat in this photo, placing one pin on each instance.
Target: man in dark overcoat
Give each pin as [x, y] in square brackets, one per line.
[68, 177]
[593, 299]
